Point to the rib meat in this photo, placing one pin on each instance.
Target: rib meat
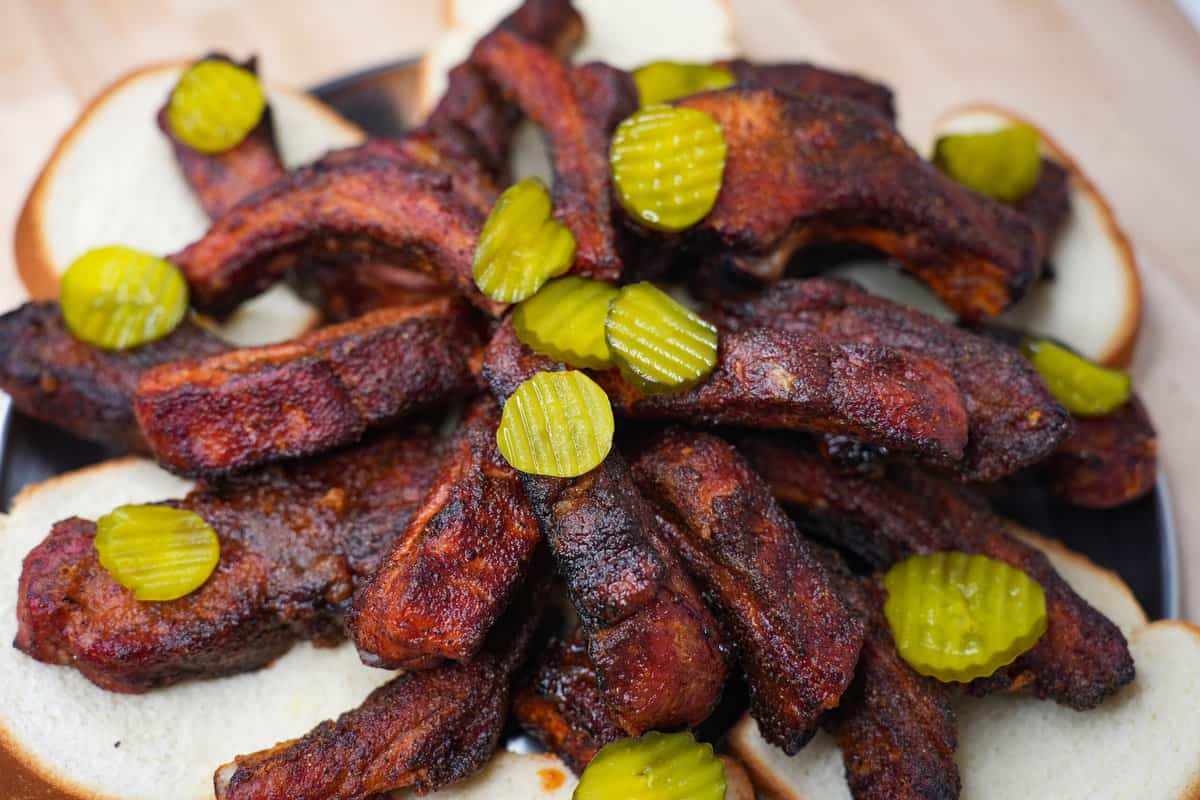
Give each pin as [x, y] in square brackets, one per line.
[658, 654]
[220, 180]
[805, 79]
[896, 729]
[455, 568]
[797, 642]
[578, 110]
[1082, 658]
[1107, 461]
[296, 541]
[657, 650]
[370, 207]
[806, 169]
[562, 706]
[51, 375]
[1013, 420]
[1048, 205]
[424, 729]
[768, 378]
[249, 407]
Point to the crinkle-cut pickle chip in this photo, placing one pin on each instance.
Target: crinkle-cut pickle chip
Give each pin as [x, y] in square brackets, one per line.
[1084, 388]
[958, 617]
[667, 165]
[663, 81]
[1003, 164]
[215, 105]
[659, 344]
[556, 423]
[521, 247]
[654, 766]
[565, 320]
[117, 298]
[160, 552]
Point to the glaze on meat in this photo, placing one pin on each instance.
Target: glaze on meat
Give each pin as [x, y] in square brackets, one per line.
[454, 570]
[1013, 419]
[296, 541]
[51, 375]
[809, 169]
[249, 407]
[797, 642]
[1082, 658]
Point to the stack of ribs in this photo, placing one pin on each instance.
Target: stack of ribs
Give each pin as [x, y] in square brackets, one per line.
[707, 549]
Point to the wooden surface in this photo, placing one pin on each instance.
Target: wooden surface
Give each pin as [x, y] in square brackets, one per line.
[1116, 81]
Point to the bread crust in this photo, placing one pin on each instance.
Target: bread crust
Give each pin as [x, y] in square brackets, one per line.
[35, 266]
[1119, 350]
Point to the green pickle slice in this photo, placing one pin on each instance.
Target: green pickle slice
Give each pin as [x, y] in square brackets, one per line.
[521, 247]
[1086, 389]
[667, 166]
[958, 617]
[1003, 164]
[215, 105]
[159, 552]
[655, 766]
[663, 81]
[556, 423]
[117, 298]
[565, 320]
[659, 344]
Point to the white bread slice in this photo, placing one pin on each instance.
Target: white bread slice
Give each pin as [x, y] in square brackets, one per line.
[112, 179]
[1143, 743]
[59, 734]
[624, 33]
[1094, 302]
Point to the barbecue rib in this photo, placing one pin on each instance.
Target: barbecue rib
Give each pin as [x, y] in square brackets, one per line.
[1048, 205]
[658, 654]
[221, 180]
[804, 79]
[775, 379]
[657, 650]
[562, 706]
[796, 640]
[454, 570]
[1013, 419]
[769, 378]
[371, 207]
[834, 170]
[1107, 461]
[83, 389]
[1081, 659]
[249, 407]
[424, 729]
[296, 541]
[896, 729]
[578, 110]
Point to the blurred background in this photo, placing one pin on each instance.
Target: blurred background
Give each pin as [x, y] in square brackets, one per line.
[1117, 82]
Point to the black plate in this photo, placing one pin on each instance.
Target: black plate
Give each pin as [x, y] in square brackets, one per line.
[1137, 541]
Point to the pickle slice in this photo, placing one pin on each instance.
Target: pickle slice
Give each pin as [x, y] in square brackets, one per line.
[521, 247]
[1003, 164]
[655, 766]
[556, 423]
[565, 320]
[663, 81]
[659, 344]
[215, 105]
[1084, 388]
[667, 165]
[159, 552]
[958, 617]
[117, 298]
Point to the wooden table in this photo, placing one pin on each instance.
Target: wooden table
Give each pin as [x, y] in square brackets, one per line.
[1116, 81]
